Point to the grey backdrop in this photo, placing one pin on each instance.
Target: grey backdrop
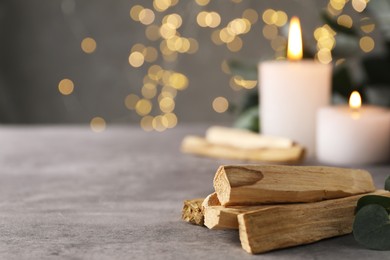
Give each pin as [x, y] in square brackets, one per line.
[40, 45]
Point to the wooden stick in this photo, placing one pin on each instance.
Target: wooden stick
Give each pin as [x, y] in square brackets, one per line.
[244, 139]
[256, 184]
[220, 217]
[192, 212]
[200, 146]
[285, 226]
[211, 200]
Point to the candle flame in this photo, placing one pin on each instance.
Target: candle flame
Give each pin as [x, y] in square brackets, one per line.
[355, 101]
[294, 45]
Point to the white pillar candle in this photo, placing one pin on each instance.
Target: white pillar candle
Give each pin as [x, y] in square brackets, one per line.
[347, 136]
[291, 92]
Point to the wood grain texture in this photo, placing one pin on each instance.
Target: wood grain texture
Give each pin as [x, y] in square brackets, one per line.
[220, 217]
[200, 146]
[285, 226]
[273, 184]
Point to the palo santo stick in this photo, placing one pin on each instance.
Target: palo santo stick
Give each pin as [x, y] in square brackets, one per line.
[192, 211]
[211, 200]
[244, 139]
[220, 217]
[199, 146]
[272, 184]
[285, 226]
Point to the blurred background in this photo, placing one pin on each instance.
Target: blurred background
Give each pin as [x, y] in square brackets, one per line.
[158, 63]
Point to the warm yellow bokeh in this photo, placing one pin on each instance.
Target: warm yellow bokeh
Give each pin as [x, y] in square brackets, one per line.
[367, 44]
[146, 16]
[66, 87]
[143, 107]
[152, 32]
[202, 2]
[98, 124]
[130, 101]
[88, 45]
[359, 5]
[251, 15]
[134, 12]
[220, 104]
[345, 20]
[136, 59]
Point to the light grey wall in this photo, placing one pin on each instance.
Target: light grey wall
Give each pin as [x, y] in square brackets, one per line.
[40, 45]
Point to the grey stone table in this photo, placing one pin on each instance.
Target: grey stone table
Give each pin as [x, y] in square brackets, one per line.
[68, 193]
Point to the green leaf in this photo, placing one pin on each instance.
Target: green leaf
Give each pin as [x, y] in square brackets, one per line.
[249, 119]
[342, 81]
[371, 227]
[251, 99]
[373, 199]
[387, 184]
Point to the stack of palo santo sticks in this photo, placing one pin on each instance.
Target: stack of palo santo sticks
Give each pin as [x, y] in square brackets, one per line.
[240, 144]
[276, 206]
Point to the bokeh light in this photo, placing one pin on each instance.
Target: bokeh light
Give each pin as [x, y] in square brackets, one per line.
[130, 101]
[162, 5]
[202, 2]
[136, 59]
[367, 43]
[146, 16]
[337, 4]
[220, 104]
[345, 20]
[169, 38]
[278, 18]
[251, 15]
[146, 123]
[208, 19]
[143, 107]
[366, 25]
[235, 45]
[135, 11]
[152, 32]
[324, 56]
[359, 5]
[270, 31]
[66, 87]
[98, 124]
[88, 45]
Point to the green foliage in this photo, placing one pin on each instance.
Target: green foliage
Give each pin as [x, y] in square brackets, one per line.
[342, 81]
[373, 199]
[371, 227]
[249, 119]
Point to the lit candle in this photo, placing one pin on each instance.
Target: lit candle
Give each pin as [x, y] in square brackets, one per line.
[354, 134]
[291, 93]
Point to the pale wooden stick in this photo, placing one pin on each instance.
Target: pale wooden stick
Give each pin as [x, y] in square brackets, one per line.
[200, 146]
[192, 212]
[285, 226]
[244, 139]
[220, 217]
[211, 200]
[271, 184]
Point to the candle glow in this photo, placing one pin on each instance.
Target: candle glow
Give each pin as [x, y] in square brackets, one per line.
[294, 46]
[355, 101]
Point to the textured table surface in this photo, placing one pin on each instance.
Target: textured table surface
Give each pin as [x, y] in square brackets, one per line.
[68, 193]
